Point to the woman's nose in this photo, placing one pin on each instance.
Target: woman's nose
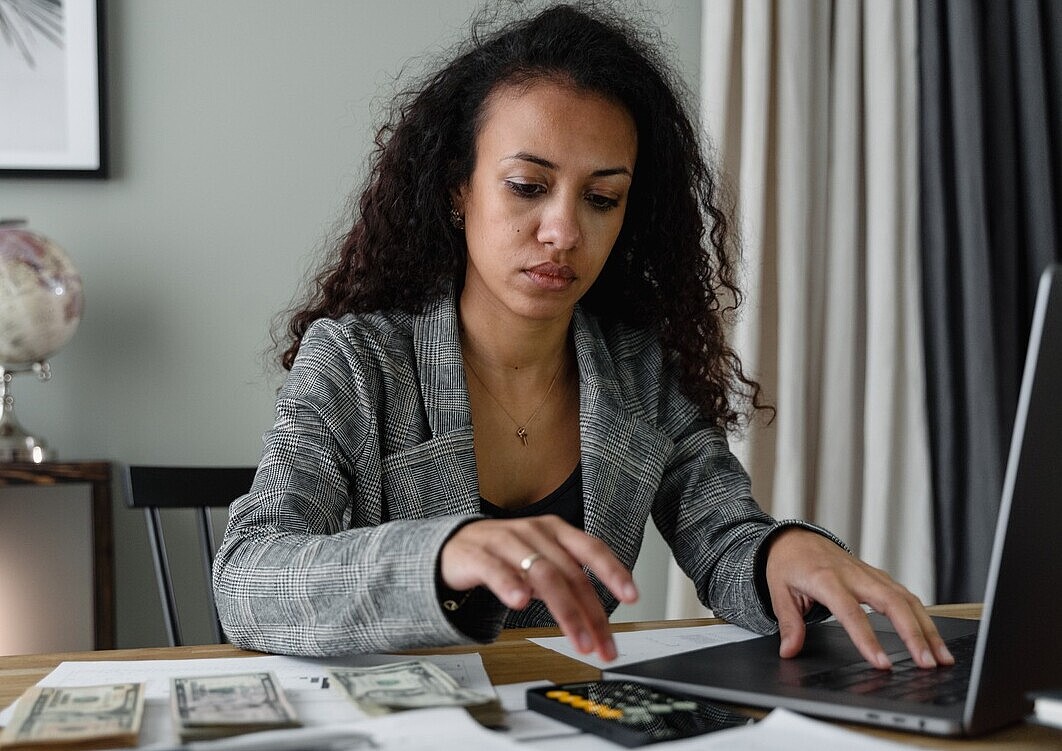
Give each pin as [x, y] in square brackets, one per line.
[559, 225]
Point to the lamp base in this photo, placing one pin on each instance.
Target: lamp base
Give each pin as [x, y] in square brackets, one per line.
[16, 445]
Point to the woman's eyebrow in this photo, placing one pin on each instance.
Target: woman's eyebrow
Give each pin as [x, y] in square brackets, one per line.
[540, 161]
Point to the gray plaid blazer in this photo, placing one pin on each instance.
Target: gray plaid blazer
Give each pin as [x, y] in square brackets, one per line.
[369, 468]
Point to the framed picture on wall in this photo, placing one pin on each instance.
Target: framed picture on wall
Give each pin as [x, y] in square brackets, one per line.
[52, 89]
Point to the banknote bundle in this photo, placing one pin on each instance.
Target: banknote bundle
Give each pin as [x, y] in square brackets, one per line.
[218, 706]
[414, 684]
[76, 717]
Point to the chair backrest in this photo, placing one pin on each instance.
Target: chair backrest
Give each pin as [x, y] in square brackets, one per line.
[194, 488]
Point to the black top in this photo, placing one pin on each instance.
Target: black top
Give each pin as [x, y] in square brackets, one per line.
[566, 502]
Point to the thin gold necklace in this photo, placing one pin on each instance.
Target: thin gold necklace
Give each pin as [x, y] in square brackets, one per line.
[521, 430]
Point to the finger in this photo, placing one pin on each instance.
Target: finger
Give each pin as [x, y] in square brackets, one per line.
[582, 590]
[563, 543]
[505, 582]
[790, 623]
[916, 629]
[598, 557]
[929, 630]
[564, 549]
[575, 607]
[844, 600]
[936, 643]
[855, 622]
[577, 601]
[906, 613]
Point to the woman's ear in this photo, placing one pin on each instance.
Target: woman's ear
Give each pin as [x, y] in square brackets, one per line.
[457, 208]
[458, 197]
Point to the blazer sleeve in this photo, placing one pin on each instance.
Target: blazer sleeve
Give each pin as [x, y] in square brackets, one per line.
[291, 575]
[717, 531]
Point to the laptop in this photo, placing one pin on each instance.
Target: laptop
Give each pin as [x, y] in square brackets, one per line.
[1017, 647]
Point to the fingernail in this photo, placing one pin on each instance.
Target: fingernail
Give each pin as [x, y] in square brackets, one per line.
[929, 659]
[630, 592]
[610, 651]
[883, 661]
[583, 641]
[947, 654]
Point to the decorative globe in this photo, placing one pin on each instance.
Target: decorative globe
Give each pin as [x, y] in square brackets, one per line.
[40, 297]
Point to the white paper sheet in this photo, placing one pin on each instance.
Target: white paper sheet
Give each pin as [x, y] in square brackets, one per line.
[634, 646]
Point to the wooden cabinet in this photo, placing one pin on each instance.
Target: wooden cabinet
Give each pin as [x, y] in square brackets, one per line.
[95, 520]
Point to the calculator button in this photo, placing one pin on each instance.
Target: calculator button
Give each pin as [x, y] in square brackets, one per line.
[659, 708]
[684, 706]
[556, 694]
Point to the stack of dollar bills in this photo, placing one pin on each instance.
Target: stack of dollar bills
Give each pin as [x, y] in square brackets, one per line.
[414, 684]
[218, 706]
[81, 717]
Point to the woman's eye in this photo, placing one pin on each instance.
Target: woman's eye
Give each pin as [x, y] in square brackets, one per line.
[603, 203]
[525, 190]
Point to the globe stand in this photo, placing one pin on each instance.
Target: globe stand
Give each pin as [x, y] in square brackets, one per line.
[16, 445]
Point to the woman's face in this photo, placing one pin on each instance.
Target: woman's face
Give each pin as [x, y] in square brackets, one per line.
[546, 198]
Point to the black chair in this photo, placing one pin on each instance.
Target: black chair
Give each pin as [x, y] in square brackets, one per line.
[195, 488]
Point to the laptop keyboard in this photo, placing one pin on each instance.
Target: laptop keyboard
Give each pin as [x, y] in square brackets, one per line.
[906, 681]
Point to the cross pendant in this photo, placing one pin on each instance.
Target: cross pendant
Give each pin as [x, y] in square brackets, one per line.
[521, 433]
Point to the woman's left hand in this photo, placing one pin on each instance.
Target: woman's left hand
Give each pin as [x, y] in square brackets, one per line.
[804, 567]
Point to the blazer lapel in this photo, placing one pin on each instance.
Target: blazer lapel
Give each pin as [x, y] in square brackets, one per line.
[623, 455]
[445, 460]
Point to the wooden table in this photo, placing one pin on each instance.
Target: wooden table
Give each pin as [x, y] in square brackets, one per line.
[513, 659]
[96, 474]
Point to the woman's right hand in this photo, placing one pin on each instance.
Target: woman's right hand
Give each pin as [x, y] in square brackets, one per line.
[489, 553]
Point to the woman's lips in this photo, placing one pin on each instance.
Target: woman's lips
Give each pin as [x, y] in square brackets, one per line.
[551, 276]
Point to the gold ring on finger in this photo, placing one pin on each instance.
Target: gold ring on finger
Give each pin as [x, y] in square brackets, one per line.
[529, 561]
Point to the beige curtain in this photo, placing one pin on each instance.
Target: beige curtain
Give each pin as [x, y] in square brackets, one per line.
[811, 106]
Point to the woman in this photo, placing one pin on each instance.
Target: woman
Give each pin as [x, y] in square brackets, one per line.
[516, 358]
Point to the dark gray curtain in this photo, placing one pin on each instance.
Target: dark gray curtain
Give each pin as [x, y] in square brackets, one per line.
[991, 147]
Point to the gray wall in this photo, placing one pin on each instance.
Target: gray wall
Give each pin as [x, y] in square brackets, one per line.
[238, 130]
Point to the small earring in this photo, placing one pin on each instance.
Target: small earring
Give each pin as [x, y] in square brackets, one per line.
[456, 219]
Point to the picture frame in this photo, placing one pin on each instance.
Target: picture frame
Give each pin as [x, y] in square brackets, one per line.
[52, 85]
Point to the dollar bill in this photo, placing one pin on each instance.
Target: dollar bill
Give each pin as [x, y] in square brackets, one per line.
[76, 716]
[414, 684]
[218, 706]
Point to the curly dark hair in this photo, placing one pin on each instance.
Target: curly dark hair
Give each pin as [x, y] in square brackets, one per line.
[666, 272]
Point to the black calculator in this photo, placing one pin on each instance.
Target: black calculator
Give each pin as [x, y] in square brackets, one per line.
[630, 713]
